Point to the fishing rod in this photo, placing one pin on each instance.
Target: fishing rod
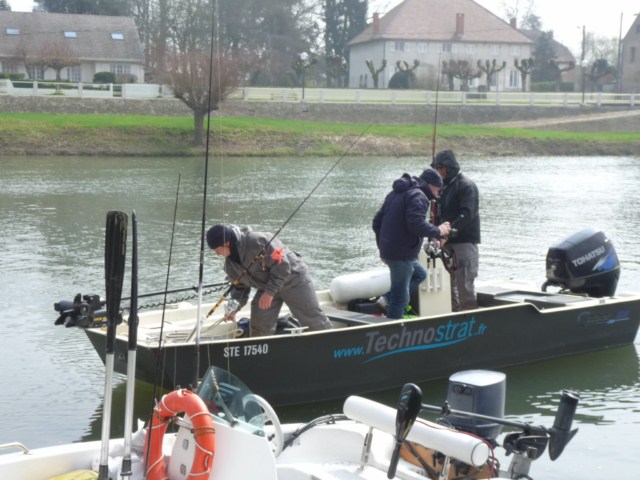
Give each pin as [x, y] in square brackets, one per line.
[214, 31]
[159, 359]
[178, 290]
[286, 222]
[435, 115]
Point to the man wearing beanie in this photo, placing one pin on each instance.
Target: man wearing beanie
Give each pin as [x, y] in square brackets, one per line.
[260, 261]
[400, 226]
[459, 204]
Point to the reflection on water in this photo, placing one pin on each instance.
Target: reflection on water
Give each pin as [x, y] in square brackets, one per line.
[52, 212]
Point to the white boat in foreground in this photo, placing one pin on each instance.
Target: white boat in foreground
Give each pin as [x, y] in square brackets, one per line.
[233, 434]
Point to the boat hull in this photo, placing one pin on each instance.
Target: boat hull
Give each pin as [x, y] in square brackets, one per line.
[309, 367]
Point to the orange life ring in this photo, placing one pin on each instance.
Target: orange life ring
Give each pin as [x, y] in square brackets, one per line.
[171, 404]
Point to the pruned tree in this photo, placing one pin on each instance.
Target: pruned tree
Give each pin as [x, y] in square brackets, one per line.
[460, 69]
[405, 76]
[525, 66]
[375, 72]
[336, 69]
[188, 74]
[599, 69]
[300, 65]
[489, 68]
[558, 71]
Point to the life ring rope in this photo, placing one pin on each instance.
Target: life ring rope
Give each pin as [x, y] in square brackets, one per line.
[203, 431]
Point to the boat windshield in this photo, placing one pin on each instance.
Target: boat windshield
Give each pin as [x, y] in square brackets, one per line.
[230, 401]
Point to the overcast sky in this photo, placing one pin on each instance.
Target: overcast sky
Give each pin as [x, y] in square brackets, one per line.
[564, 17]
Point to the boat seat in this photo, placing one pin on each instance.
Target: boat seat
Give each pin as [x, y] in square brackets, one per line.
[352, 319]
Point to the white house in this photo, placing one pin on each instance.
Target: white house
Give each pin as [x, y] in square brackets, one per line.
[630, 59]
[92, 43]
[437, 31]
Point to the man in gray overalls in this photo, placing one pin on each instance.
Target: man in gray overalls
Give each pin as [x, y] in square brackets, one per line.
[259, 260]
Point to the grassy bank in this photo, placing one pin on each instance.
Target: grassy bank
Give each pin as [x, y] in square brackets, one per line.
[138, 135]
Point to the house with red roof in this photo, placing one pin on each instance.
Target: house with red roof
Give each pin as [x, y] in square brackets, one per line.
[432, 33]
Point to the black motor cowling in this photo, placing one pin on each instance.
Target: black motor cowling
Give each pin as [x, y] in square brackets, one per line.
[584, 263]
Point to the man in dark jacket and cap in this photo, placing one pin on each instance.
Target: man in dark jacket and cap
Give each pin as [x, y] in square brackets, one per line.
[459, 204]
[400, 226]
[280, 276]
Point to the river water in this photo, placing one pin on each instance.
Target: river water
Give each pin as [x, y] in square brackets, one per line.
[52, 212]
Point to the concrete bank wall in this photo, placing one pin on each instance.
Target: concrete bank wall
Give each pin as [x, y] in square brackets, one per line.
[352, 113]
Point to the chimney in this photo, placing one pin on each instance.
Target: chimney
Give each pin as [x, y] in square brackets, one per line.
[513, 22]
[376, 23]
[459, 24]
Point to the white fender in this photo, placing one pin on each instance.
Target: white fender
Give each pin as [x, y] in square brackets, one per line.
[369, 284]
[462, 446]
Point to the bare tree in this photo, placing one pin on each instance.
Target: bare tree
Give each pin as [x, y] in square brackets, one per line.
[460, 69]
[490, 67]
[188, 74]
[375, 72]
[525, 66]
[57, 55]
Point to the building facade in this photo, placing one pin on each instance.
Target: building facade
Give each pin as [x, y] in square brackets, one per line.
[434, 33]
[630, 59]
[78, 45]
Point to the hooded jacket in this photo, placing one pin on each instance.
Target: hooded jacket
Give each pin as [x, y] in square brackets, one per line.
[459, 202]
[401, 223]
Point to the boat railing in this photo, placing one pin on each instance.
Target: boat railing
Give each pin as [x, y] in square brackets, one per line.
[18, 445]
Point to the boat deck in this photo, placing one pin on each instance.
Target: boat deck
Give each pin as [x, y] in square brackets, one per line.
[492, 296]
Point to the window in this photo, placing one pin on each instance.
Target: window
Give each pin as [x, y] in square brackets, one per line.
[9, 67]
[117, 36]
[632, 55]
[35, 73]
[515, 51]
[398, 46]
[73, 74]
[495, 50]
[119, 68]
[470, 49]
[422, 47]
[12, 31]
[70, 34]
[446, 48]
[514, 79]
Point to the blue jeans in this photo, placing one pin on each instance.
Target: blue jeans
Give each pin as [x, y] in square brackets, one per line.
[406, 275]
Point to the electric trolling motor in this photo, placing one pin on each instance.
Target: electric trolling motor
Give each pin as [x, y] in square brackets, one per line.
[83, 311]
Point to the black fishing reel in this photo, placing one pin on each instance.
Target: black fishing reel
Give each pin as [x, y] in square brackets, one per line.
[83, 311]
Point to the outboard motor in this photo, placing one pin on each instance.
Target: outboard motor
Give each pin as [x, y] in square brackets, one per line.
[584, 263]
[481, 392]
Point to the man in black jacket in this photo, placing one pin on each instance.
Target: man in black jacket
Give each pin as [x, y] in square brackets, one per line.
[459, 204]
